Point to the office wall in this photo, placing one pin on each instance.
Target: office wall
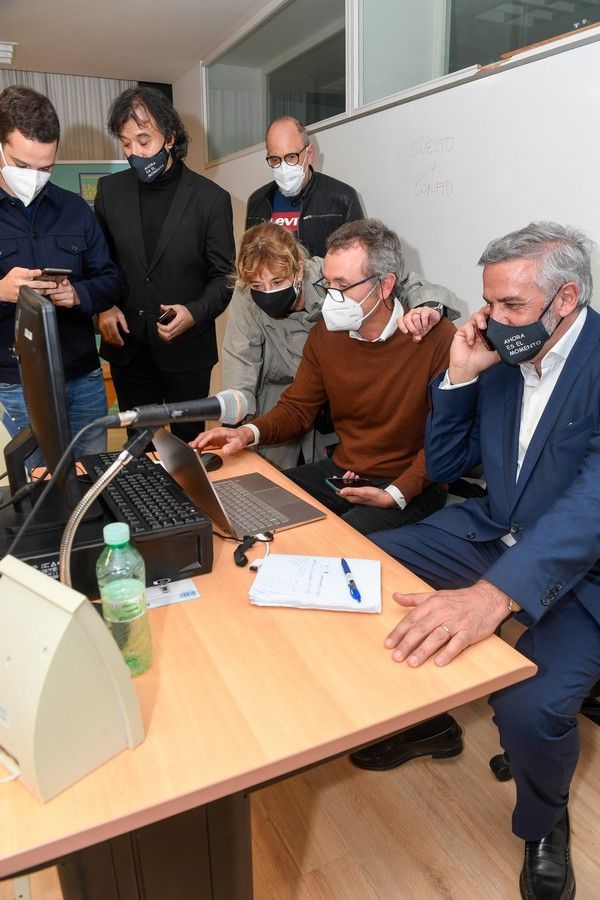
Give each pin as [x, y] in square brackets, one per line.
[452, 170]
[81, 177]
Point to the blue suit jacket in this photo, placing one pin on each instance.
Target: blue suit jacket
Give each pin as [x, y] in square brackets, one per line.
[553, 508]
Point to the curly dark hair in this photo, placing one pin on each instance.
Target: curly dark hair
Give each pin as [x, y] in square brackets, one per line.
[139, 103]
[25, 110]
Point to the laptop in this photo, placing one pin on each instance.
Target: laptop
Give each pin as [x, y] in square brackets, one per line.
[240, 506]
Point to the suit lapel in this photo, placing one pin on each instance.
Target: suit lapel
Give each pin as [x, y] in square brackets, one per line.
[512, 415]
[131, 198]
[576, 360]
[182, 197]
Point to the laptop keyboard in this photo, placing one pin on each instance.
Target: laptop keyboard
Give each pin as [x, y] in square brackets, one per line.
[249, 513]
[144, 496]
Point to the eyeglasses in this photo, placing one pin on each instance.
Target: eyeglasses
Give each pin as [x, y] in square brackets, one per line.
[292, 159]
[322, 286]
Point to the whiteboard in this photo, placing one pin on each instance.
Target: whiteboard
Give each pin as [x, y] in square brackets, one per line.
[455, 169]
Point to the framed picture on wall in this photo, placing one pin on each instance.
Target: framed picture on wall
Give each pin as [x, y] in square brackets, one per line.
[88, 184]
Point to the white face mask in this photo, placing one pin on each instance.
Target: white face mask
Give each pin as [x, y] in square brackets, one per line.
[289, 178]
[24, 183]
[341, 313]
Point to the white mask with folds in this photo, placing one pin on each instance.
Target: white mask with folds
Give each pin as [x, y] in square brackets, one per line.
[24, 183]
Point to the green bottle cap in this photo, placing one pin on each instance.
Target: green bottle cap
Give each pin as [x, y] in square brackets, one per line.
[116, 533]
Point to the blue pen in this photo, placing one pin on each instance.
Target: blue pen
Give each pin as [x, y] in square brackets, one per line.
[354, 592]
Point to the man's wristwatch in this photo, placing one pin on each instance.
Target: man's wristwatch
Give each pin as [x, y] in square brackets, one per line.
[514, 607]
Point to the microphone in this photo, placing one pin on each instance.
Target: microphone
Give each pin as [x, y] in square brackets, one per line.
[228, 407]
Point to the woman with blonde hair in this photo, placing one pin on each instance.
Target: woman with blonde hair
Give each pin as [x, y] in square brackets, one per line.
[273, 308]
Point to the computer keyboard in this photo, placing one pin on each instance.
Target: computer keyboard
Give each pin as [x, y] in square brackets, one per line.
[144, 496]
[245, 509]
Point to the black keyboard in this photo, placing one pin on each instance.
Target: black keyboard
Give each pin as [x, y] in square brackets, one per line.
[144, 496]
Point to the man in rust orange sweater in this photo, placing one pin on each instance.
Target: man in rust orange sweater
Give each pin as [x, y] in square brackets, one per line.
[375, 378]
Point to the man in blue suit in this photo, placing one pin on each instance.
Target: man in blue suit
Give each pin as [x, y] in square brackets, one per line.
[529, 410]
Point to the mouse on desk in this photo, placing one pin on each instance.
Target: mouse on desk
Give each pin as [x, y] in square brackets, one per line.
[211, 461]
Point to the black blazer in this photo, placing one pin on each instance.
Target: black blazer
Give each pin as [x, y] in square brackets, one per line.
[192, 261]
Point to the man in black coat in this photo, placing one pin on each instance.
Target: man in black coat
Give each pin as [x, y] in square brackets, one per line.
[170, 232]
[307, 203]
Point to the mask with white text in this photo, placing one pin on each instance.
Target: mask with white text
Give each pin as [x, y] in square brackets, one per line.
[147, 168]
[516, 344]
[24, 183]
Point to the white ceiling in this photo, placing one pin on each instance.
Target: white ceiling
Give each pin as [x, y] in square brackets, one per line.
[140, 40]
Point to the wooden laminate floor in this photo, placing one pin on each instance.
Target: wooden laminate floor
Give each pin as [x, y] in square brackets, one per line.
[429, 830]
[438, 830]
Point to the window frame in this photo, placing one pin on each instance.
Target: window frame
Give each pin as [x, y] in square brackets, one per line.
[354, 110]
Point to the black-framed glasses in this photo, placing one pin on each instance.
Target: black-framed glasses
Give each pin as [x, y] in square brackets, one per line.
[322, 286]
[292, 159]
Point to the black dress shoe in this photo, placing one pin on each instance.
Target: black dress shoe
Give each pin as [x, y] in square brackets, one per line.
[591, 708]
[547, 872]
[440, 738]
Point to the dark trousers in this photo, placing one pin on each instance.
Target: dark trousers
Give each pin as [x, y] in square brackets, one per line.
[141, 382]
[365, 519]
[537, 718]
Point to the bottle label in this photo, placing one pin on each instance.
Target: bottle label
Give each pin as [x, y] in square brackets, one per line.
[125, 612]
[120, 604]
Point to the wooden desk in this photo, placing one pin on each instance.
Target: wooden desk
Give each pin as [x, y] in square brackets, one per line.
[241, 695]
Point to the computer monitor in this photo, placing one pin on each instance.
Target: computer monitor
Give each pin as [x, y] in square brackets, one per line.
[37, 347]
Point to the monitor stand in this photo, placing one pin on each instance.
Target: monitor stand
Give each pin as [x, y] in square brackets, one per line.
[60, 501]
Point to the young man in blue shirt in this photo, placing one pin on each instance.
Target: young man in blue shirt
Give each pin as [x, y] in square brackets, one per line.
[42, 225]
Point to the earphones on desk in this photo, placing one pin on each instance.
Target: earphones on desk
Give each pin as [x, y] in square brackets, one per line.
[239, 554]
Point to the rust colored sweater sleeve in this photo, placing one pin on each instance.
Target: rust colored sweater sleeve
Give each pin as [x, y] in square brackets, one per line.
[299, 404]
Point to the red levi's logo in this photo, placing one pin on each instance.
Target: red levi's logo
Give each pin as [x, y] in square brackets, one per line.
[287, 220]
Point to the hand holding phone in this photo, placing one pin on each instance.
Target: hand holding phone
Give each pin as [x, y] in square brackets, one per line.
[53, 274]
[167, 316]
[485, 340]
[337, 482]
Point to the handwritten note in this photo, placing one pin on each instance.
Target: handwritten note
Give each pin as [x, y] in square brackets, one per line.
[317, 582]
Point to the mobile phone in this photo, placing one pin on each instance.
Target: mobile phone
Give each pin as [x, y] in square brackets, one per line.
[485, 339]
[337, 483]
[50, 274]
[167, 316]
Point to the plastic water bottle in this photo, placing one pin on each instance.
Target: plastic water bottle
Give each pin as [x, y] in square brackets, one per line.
[121, 575]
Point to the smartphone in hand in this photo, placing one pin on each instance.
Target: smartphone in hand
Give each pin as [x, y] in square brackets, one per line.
[52, 274]
[485, 340]
[337, 483]
[167, 316]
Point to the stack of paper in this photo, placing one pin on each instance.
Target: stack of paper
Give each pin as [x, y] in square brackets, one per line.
[317, 582]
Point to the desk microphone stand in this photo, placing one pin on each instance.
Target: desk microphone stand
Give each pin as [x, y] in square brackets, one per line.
[134, 446]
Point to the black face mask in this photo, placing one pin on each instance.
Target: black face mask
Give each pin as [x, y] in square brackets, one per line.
[517, 344]
[276, 304]
[147, 168]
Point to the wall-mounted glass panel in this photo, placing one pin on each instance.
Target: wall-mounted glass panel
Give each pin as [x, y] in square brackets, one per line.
[403, 43]
[292, 64]
[482, 30]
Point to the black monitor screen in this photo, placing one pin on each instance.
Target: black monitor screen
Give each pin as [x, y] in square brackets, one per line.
[40, 364]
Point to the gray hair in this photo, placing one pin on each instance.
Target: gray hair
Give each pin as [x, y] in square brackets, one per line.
[563, 255]
[380, 243]
[292, 121]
